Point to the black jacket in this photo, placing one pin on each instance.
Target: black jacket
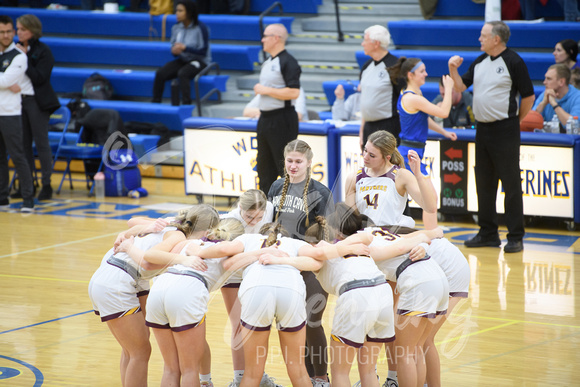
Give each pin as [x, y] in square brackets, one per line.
[40, 63]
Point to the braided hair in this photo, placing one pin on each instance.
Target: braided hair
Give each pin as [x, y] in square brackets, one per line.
[320, 231]
[302, 147]
[272, 230]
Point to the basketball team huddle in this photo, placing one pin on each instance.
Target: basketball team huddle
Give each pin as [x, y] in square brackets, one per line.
[276, 257]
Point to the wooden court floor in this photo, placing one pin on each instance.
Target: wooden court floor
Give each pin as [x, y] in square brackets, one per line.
[520, 325]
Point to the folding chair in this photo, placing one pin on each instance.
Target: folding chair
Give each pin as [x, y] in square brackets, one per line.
[59, 120]
[79, 151]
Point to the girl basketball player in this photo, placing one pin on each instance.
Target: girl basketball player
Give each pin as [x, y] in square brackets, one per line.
[456, 269]
[118, 291]
[422, 288]
[253, 210]
[298, 199]
[414, 111]
[178, 322]
[267, 292]
[363, 317]
[359, 315]
[380, 189]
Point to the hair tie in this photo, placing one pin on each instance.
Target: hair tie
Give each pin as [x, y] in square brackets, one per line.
[416, 66]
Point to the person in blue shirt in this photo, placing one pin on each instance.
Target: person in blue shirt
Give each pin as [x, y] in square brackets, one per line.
[559, 97]
[190, 46]
[414, 111]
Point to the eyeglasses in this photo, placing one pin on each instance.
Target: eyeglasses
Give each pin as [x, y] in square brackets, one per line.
[269, 35]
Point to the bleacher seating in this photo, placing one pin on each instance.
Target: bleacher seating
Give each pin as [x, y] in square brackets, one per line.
[132, 53]
[437, 61]
[170, 116]
[127, 83]
[290, 6]
[141, 25]
[462, 33]
[257, 6]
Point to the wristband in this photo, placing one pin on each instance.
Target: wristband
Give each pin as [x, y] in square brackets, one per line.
[557, 106]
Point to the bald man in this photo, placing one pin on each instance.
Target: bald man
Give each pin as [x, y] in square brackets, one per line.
[279, 88]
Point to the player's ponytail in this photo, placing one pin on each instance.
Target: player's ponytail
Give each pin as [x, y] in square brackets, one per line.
[199, 217]
[227, 229]
[399, 72]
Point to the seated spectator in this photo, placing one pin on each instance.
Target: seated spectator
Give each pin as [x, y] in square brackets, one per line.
[566, 52]
[461, 114]
[190, 46]
[348, 110]
[560, 97]
[251, 110]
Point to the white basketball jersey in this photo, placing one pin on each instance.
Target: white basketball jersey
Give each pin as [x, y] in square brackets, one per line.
[215, 275]
[145, 243]
[377, 197]
[271, 275]
[338, 271]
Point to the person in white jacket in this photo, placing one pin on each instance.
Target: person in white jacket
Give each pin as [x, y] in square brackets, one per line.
[13, 65]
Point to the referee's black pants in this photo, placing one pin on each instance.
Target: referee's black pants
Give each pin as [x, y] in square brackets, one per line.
[497, 157]
[275, 129]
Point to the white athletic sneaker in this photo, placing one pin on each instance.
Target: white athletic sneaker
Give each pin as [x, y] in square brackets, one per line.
[390, 383]
[234, 384]
[206, 384]
[268, 381]
[316, 382]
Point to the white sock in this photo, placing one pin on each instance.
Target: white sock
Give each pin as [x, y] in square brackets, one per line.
[238, 375]
[205, 378]
[392, 375]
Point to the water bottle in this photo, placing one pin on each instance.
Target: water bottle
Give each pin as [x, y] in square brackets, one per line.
[571, 125]
[555, 124]
[100, 185]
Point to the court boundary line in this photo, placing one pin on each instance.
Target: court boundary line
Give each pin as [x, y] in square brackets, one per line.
[517, 321]
[46, 322]
[43, 278]
[35, 371]
[510, 352]
[58, 245]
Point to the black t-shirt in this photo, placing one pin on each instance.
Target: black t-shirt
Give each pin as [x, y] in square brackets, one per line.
[293, 215]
